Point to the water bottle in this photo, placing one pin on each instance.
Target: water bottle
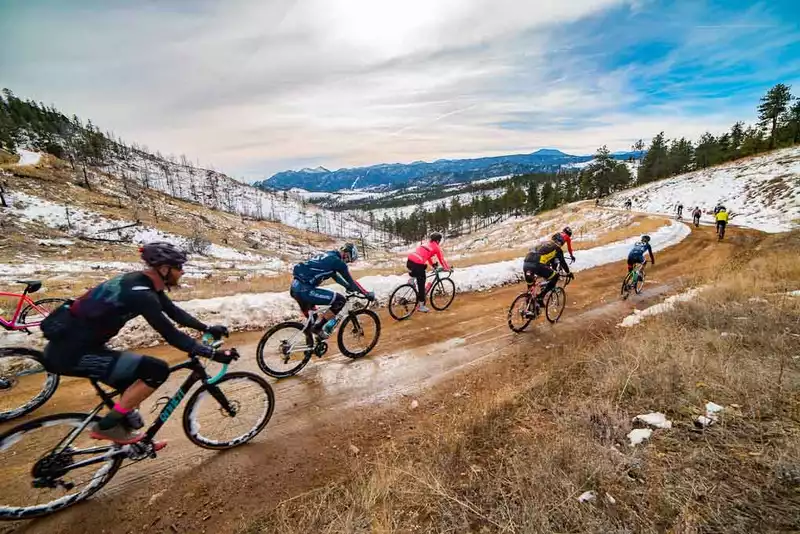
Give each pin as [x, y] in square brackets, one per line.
[330, 325]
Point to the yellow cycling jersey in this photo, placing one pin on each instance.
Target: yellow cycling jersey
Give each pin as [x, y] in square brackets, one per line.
[722, 216]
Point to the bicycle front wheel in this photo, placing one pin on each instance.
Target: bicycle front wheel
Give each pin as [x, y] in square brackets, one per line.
[519, 314]
[284, 349]
[554, 306]
[403, 302]
[24, 383]
[33, 314]
[38, 482]
[359, 333]
[637, 287]
[442, 294]
[626, 286]
[229, 412]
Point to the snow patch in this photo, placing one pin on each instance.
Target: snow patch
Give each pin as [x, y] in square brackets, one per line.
[638, 315]
[26, 157]
[638, 435]
[654, 419]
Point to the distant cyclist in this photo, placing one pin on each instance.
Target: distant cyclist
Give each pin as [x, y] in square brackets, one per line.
[540, 261]
[696, 215]
[566, 233]
[417, 264]
[310, 274]
[78, 335]
[680, 210]
[636, 255]
[628, 204]
[722, 220]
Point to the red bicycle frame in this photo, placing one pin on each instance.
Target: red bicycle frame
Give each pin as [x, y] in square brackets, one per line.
[23, 300]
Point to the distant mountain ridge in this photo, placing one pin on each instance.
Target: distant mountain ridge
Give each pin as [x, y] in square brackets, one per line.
[387, 176]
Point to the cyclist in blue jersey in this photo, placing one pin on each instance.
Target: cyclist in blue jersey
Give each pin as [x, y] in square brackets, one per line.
[636, 255]
[310, 274]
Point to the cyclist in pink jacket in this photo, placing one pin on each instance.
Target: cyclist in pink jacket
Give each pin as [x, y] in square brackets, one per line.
[417, 261]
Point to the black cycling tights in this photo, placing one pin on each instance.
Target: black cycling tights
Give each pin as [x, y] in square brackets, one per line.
[118, 369]
[418, 272]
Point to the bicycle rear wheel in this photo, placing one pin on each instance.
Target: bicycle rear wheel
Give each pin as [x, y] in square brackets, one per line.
[36, 481]
[518, 319]
[24, 383]
[403, 302]
[359, 333]
[554, 306]
[442, 294]
[284, 349]
[35, 313]
[230, 412]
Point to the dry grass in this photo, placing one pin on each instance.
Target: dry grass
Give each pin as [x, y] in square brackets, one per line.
[518, 463]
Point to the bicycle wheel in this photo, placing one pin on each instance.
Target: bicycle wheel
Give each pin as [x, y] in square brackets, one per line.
[442, 294]
[35, 481]
[518, 319]
[403, 302]
[24, 383]
[361, 328]
[207, 421]
[44, 307]
[637, 287]
[626, 286]
[554, 306]
[284, 349]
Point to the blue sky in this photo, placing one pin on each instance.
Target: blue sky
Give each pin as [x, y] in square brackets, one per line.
[255, 87]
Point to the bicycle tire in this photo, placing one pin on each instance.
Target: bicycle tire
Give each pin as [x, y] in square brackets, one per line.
[441, 283]
[261, 359]
[41, 303]
[44, 393]
[522, 297]
[16, 434]
[394, 308]
[625, 292]
[560, 297]
[352, 321]
[192, 429]
[637, 287]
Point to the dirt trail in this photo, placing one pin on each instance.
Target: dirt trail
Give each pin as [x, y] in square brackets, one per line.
[336, 401]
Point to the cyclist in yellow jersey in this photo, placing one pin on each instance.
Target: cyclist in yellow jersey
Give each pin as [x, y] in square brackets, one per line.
[540, 262]
[722, 219]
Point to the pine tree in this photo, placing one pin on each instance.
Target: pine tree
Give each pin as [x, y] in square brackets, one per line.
[681, 156]
[532, 198]
[773, 105]
[707, 152]
[737, 134]
[793, 122]
[655, 164]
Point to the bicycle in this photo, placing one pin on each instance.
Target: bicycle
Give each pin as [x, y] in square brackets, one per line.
[291, 338]
[24, 383]
[76, 460]
[441, 292]
[721, 231]
[33, 312]
[633, 280]
[526, 305]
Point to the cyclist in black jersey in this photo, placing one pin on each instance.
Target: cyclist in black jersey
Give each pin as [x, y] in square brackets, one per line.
[78, 332]
[540, 261]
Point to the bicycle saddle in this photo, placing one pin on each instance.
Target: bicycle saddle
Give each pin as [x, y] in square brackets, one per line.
[32, 285]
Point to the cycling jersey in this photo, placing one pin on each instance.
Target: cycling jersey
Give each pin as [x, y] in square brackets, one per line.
[425, 253]
[568, 241]
[637, 252]
[722, 216]
[324, 266]
[545, 252]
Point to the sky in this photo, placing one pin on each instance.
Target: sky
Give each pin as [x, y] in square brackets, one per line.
[253, 87]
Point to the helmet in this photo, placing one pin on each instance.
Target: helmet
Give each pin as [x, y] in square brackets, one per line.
[645, 239]
[721, 207]
[567, 230]
[558, 238]
[163, 253]
[436, 236]
[351, 249]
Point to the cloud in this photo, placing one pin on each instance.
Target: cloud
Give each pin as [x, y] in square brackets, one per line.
[253, 87]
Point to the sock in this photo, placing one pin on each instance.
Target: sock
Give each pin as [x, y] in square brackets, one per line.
[113, 417]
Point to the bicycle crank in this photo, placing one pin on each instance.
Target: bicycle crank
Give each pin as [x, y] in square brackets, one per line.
[321, 348]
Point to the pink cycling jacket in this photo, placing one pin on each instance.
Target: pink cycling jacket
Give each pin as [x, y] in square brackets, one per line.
[425, 253]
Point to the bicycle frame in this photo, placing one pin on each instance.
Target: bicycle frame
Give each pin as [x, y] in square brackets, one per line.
[198, 375]
[436, 273]
[24, 299]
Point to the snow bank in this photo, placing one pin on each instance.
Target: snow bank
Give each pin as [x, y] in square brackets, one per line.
[761, 192]
[638, 315]
[26, 157]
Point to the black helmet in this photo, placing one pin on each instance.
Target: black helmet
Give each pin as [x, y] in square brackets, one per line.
[163, 253]
[721, 208]
[436, 236]
[351, 249]
[645, 239]
[558, 238]
[567, 230]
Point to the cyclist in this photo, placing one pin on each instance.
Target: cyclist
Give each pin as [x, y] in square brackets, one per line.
[540, 262]
[310, 274]
[722, 220]
[566, 233]
[696, 213]
[79, 331]
[417, 264]
[680, 210]
[636, 255]
[628, 204]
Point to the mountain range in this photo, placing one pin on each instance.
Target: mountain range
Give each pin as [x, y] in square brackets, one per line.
[387, 176]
